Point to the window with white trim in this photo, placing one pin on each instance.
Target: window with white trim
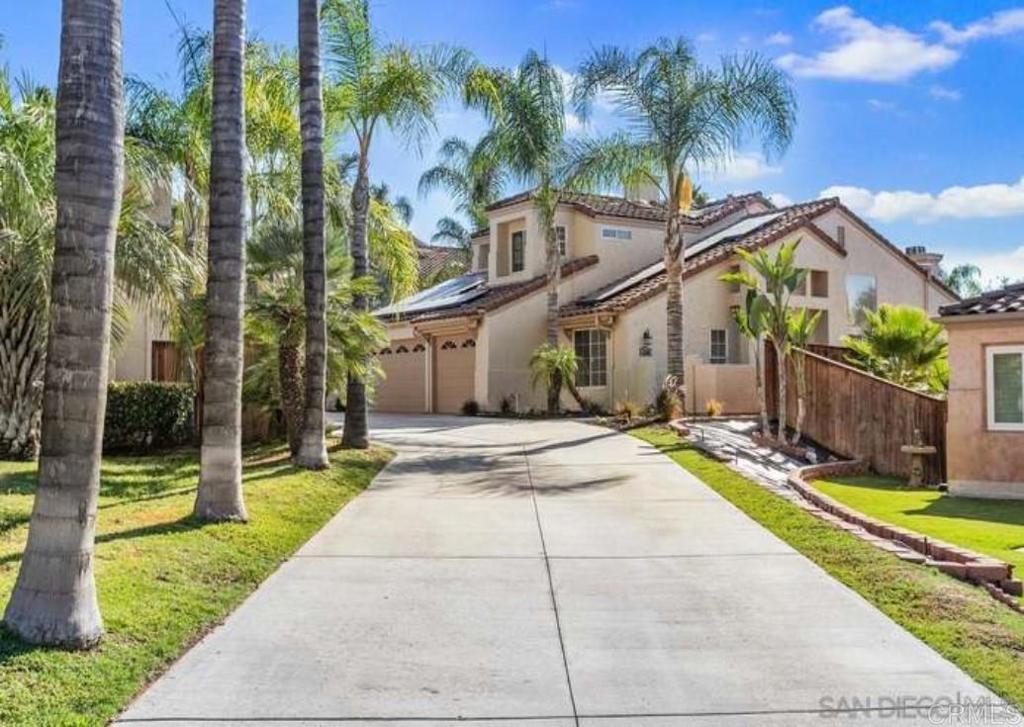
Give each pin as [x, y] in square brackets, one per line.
[719, 346]
[616, 233]
[1005, 387]
[560, 238]
[591, 347]
[518, 251]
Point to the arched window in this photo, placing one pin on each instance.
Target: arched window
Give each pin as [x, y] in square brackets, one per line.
[469, 343]
[401, 349]
[386, 352]
[448, 346]
[418, 348]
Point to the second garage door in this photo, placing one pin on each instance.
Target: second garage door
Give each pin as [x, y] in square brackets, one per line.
[454, 373]
[404, 387]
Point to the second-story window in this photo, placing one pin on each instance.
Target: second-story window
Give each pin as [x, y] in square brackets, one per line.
[616, 233]
[518, 251]
[560, 237]
[719, 346]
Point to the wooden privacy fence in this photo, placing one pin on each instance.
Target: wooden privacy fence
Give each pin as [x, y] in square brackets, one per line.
[858, 415]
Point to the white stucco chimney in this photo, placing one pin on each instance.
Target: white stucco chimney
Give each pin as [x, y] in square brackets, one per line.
[643, 192]
[927, 260]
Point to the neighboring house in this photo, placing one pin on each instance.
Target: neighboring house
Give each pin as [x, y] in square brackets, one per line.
[471, 338]
[147, 352]
[440, 262]
[985, 430]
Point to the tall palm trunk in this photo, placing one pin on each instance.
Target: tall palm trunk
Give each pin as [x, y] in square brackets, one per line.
[220, 477]
[22, 362]
[356, 432]
[553, 270]
[674, 256]
[54, 599]
[801, 393]
[289, 374]
[312, 452]
[780, 365]
[762, 391]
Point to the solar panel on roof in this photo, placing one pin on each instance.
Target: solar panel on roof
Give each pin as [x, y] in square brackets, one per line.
[443, 295]
[737, 229]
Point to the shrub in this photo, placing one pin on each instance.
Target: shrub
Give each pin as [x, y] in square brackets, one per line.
[143, 415]
[668, 406]
[507, 405]
[470, 408]
[628, 409]
[713, 407]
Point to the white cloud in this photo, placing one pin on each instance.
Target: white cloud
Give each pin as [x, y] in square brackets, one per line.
[994, 265]
[868, 52]
[980, 201]
[744, 167]
[779, 199]
[1005, 22]
[707, 37]
[779, 39]
[879, 105]
[942, 93]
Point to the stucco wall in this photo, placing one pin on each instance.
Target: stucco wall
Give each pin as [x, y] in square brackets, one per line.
[980, 463]
[132, 360]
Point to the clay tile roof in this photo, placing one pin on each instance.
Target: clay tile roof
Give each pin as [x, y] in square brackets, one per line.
[496, 295]
[1005, 300]
[435, 258]
[596, 205]
[775, 227]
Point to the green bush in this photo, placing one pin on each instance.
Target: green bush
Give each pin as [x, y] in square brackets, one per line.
[147, 415]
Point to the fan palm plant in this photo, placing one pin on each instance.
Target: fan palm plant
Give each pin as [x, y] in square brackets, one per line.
[276, 323]
[750, 321]
[54, 598]
[802, 325]
[681, 116]
[371, 85]
[555, 367]
[219, 496]
[902, 344]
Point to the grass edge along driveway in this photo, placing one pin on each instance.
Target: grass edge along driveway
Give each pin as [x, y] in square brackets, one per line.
[961, 622]
[163, 579]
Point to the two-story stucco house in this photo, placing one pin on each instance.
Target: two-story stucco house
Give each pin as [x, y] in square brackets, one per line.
[472, 337]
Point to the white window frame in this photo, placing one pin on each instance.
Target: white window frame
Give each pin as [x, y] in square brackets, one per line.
[990, 388]
[711, 346]
[616, 233]
[591, 333]
[562, 240]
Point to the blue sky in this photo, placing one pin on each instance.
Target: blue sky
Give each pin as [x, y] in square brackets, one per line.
[911, 111]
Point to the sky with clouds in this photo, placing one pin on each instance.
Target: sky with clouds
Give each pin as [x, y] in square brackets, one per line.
[909, 111]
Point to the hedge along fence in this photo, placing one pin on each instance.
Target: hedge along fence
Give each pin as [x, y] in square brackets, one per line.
[146, 415]
[861, 416]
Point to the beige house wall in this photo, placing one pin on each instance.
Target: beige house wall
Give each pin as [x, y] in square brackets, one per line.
[133, 360]
[979, 462]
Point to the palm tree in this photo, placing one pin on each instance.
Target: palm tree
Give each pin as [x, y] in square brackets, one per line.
[400, 204]
[54, 598]
[312, 452]
[527, 137]
[802, 324]
[781, 277]
[681, 116]
[555, 367]
[373, 85]
[965, 279]
[472, 179]
[902, 344]
[220, 477]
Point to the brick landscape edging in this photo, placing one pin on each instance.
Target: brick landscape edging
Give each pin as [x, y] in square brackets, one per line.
[994, 575]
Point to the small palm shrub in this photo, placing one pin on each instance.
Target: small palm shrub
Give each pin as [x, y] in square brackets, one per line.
[554, 367]
[902, 344]
[713, 408]
[668, 406]
[628, 409]
[470, 408]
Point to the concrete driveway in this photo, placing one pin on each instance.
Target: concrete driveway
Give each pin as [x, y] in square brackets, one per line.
[546, 574]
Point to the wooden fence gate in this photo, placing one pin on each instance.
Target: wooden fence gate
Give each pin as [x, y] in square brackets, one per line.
[858, 415]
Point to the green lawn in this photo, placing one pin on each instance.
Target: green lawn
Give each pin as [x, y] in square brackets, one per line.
[961, 622]
[163, 579]
[992, 527]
